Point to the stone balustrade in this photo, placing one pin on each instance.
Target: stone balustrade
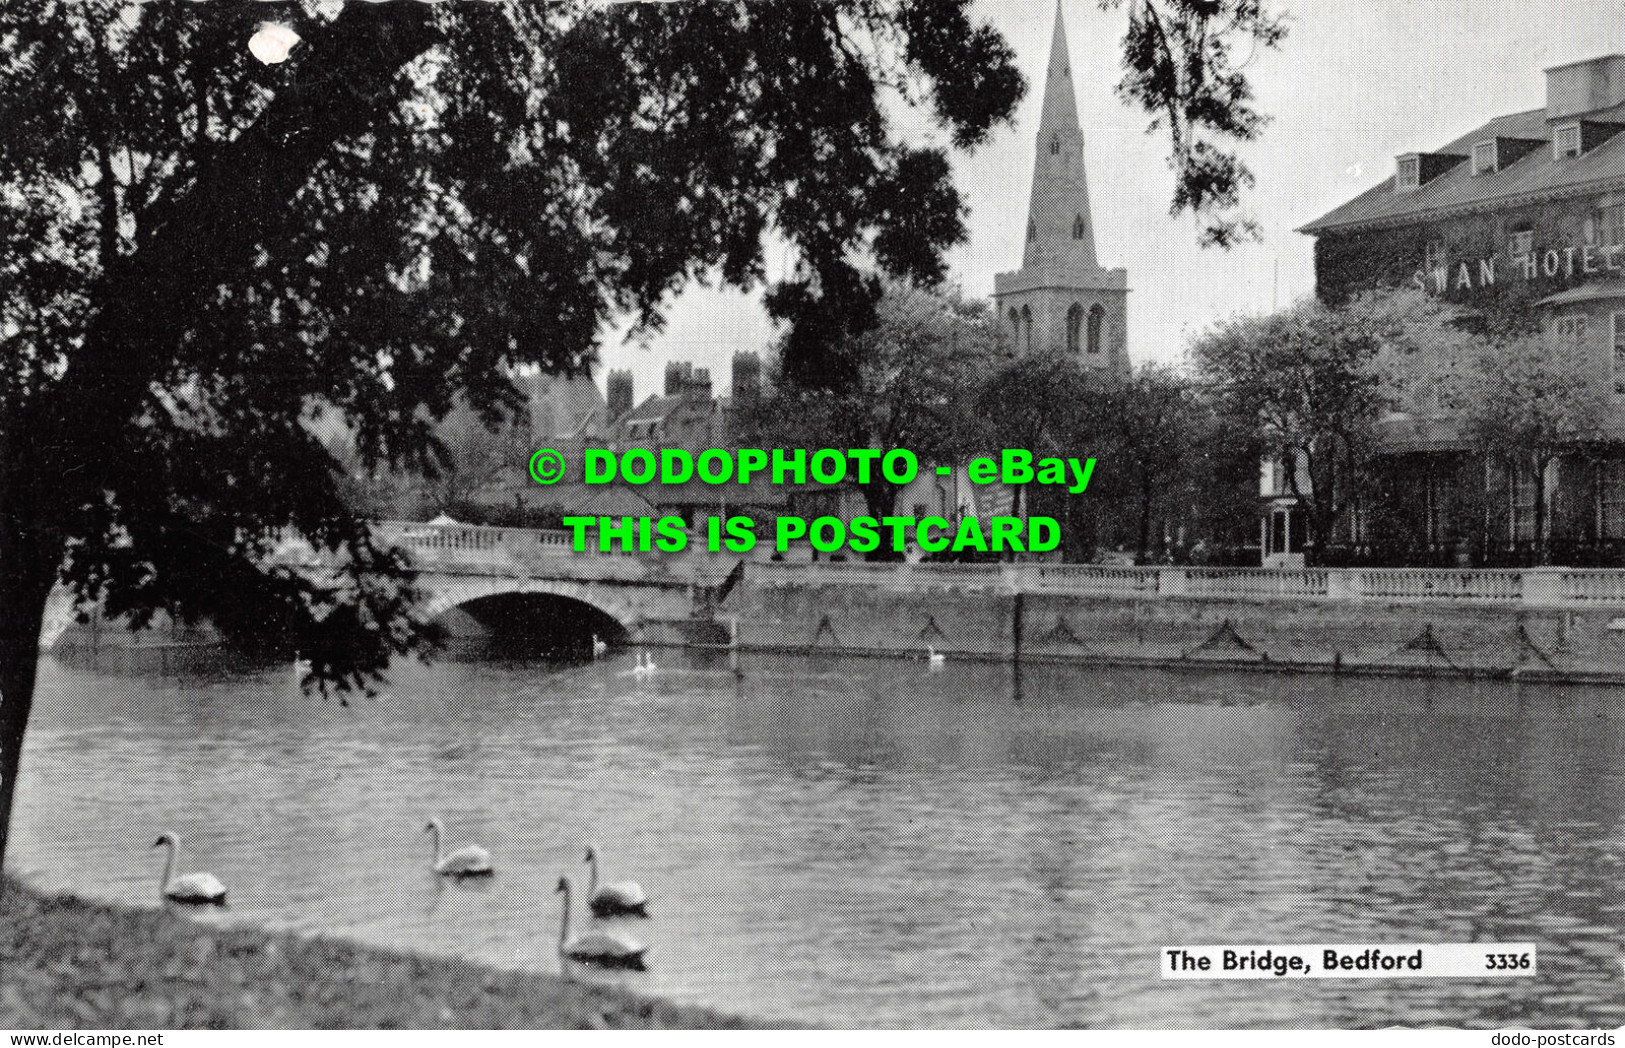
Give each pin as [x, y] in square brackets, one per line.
[468, 545]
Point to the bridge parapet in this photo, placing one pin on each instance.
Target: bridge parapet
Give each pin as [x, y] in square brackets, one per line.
[548, 553]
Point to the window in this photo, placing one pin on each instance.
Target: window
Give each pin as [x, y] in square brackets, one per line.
[1611, 499]
[1032, 230]
[1054, 145]
[1521, 243]
[1436, 254]
[1521, 494]
[1484, 157]
[1097, 321]
[1077, 227]
[1606, 226]
[1566, 141]
[1618, 341]
[1572, 328]
[1074, 328]
[1015, 324]
[1408, 172]
[1027, 328]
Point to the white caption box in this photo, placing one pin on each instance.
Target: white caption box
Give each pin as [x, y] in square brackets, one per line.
[1477, 960]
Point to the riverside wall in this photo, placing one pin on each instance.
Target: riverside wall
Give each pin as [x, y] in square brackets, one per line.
[1540, 623]
[1521, 627]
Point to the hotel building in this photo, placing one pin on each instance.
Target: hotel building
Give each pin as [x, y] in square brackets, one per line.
[1524, 216]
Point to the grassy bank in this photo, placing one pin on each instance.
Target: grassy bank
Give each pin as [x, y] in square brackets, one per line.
[68, 963]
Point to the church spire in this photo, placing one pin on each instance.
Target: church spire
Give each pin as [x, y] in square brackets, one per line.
[1060, 229]
[1060, 102]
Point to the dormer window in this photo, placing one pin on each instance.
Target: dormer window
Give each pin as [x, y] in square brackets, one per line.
[1484, 157]
[1408, 172]
[1412, 170]
[1565, 141]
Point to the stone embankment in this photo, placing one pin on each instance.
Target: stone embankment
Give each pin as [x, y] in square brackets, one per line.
[1552, 624]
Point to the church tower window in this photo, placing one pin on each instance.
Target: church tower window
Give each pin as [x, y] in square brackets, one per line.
[1054, 145]
[1074, 327]
[1077, 227]
[1032, 230]
[1097, 321]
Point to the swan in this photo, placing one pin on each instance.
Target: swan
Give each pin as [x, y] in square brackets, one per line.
[646, 666]
[598, 647]
[194, 888]
[605, 949]
[623, 898]
[935, 658]
[468, 861]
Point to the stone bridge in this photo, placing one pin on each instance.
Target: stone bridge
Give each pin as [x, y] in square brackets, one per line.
[1549, 623]
[657, 597]
[659, 592]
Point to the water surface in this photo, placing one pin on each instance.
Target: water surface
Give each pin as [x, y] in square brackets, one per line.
[867, 843]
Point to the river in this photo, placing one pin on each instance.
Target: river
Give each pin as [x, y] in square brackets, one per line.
[869, 843]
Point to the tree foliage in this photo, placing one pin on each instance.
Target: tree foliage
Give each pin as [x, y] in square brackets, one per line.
[1313, 383]
[1306, 382]
[1152, 424]
[1527, 400]
[201, 253]
[1179, 66]
[918, 369]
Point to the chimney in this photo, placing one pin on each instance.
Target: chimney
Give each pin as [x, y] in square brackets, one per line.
[678, 376]
[747, 376]
[699, 384]
[1585, 87]
[619, 400]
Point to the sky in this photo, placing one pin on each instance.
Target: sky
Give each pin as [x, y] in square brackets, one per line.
[1352, 86]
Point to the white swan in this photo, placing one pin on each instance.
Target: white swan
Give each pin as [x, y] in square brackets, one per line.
[646, 666]
[605, 949]
[598, 647]
[934, 658]
[192, 888]
[468, 861]
[623, 898]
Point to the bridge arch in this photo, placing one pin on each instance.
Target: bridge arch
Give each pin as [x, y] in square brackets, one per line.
[529, 617]
[444, 594]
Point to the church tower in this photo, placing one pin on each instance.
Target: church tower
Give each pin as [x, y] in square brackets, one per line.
[1061, 300]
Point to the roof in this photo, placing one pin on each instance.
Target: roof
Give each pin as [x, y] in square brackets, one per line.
[1588, 292]
[1533, 175]
[760, 491]
[573, 401]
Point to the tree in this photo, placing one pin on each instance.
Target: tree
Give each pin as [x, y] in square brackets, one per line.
[1152, 421]
[1178, 67]
[917, 369]
[1311, 383]
[1307, 387]
[200, 252]
[1529, 400]
[1043, 402]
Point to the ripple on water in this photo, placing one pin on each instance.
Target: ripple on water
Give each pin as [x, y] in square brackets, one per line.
[867, 844]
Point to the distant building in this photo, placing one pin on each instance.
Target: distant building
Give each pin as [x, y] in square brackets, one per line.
[1061, 299]
[1523, 214]
[687, 415]
[561, 407]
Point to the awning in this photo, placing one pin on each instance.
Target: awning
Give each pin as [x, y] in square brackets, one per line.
[1588, 292]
